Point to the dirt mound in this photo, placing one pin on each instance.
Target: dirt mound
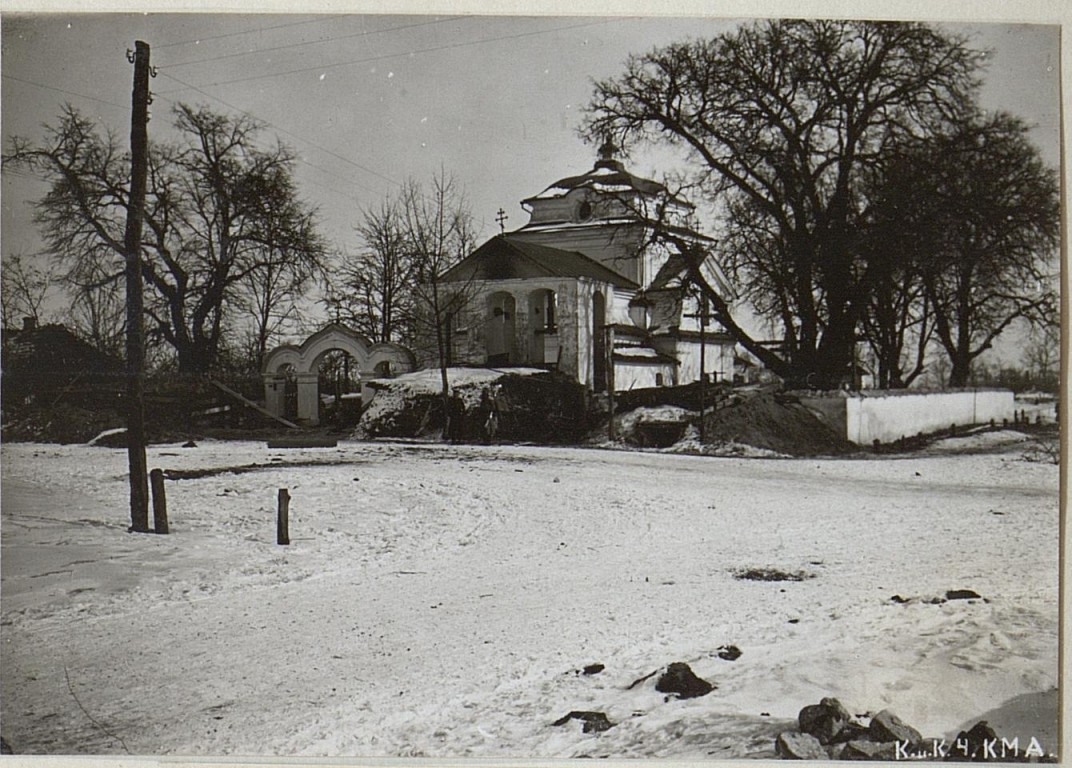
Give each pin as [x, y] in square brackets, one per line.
[775, 423]
[534, 406]
[62, 423]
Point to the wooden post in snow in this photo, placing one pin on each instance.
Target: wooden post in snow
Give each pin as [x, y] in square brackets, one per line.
[611, 432]
[160, 521]
[282, 527]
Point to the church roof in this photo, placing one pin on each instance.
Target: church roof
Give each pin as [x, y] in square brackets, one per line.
[504, 258]
[673, 274]
[608, 176]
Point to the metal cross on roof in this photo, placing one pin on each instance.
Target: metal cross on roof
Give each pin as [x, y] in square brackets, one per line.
[501, 217]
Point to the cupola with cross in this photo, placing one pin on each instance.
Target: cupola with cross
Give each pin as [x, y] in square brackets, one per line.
[607, 214]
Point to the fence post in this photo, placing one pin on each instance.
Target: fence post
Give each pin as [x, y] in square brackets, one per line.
[282, 528]
[160, 521]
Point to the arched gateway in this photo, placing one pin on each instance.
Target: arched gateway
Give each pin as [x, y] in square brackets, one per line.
[375, 361]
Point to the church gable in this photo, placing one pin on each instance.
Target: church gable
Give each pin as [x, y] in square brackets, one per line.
[506, 258]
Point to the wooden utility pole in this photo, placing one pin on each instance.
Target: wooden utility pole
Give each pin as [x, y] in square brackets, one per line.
[612, 433]
[139, 149]
[703, 315]
[703, 370]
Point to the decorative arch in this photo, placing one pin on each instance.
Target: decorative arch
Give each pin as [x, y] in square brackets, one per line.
[372, 360]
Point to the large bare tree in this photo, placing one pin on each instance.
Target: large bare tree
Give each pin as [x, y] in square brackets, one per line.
[221, 211]
[779, 119]
[991, 220]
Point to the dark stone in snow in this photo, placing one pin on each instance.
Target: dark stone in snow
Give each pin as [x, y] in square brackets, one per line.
[824, 721]
[791, 745]
[898, 599]
[886, 726]
[851, 732]
[869, 750]
[980, 732]
[837, 706]
[680, 679]
[594, 722]
[962, 594]
[729, 652]
[189, 444]
[593, 669]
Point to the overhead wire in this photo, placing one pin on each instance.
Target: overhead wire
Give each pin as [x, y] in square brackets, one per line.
[363, 33]
[200, 89]
[332, 153]
[6, 76]
[198, 40]
[9, 172]
[433, 49]
[281, 129]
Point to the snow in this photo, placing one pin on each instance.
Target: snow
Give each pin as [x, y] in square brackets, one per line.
[442, 601]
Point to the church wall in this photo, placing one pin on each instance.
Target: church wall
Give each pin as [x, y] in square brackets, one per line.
[629, 376]
[718, 360]
[574, 324]
[571, 208]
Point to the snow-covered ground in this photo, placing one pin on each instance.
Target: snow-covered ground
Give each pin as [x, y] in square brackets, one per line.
[443, 601]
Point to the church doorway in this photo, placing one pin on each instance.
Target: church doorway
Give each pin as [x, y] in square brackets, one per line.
[500, 329]
[544, 346]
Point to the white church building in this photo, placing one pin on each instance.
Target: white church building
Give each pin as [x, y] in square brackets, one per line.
[584, 276]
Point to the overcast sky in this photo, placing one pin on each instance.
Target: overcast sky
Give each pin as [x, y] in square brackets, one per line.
[367, 101]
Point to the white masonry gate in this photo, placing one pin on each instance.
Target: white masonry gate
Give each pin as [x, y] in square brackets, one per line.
[375, 361]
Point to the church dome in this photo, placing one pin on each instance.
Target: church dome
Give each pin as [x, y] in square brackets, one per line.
[608, 176]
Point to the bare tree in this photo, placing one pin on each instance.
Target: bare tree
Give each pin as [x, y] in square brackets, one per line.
[992, 224]
[290, 254]
[439, 233]
[1042, 356]
[97, 309]
[897, 323]
[780, 118]
[206, 233]
[25, 282]
[373, 288]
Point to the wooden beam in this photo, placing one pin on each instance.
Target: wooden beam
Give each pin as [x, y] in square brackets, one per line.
[227, 390]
